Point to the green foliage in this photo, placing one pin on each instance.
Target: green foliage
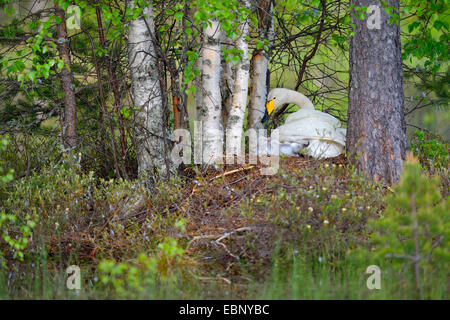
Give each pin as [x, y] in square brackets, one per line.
[50, 197]
[59, 199]
[5, 175]
[15, 230]
[319, 216]
[302, 278]
[26, 154]
[308, 218]
[428, 26]
[53, 193]
[415, 210]
[140, 277]
[414, 230]
[229, 13]
[314, 215]
[39, 50]
[432, 152]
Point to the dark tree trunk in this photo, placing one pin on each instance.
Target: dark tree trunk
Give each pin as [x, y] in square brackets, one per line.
[69, 129]
[376, 134]
[114, 84]
[177, 98]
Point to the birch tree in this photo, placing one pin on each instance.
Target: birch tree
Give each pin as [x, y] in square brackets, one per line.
[260, 64]
[151, 153]
[236, 112]
[210, 111]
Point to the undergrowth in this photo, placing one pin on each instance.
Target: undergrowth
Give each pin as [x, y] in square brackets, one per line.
[308, 232]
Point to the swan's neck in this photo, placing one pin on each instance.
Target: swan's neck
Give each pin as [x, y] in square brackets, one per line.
[296, 98]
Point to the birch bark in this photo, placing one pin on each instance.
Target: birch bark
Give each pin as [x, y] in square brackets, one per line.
[210, 110]
[146, 90]
[259, 67]
[236, 113]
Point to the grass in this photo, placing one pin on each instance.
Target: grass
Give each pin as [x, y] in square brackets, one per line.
[302, 281]
[207, 235]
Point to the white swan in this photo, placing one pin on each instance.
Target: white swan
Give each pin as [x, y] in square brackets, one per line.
[317, 133]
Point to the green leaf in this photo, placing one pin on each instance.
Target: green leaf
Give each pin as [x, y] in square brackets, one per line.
[235, 60]
[178, 15]
[32, 76]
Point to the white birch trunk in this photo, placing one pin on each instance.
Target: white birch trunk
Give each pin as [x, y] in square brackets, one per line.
[258, 91]
[236, 114]
[210, 113]
[146, 90]
[258, 70]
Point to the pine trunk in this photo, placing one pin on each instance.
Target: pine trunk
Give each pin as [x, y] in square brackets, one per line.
[69, 129]
[376, 134]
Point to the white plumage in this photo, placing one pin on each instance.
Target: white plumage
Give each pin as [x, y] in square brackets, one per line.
[317, 133]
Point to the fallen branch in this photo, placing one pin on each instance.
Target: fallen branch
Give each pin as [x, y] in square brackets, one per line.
[231, 172]
[199, 184]
[218, 237]
[227, 281]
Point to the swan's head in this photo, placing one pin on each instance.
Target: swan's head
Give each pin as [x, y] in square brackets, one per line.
[279, 96]
[273, 98]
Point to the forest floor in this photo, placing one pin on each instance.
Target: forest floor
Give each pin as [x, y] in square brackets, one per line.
[224, 232]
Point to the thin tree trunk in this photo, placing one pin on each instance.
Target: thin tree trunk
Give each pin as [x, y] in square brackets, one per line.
[415, 235]
[176, 105]
[104, 107]
[198, 80]
[146, 88]
[258, 90]
[226, 87]
[376, 134]
[185, 43]
[114, 85]
[236, 113]
[259, 66]
[177, 96]
[69, 129]
[210, 113]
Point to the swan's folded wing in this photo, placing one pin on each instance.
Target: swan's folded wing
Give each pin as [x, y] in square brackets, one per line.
[318, 149]
[313, 116]
[311, 130]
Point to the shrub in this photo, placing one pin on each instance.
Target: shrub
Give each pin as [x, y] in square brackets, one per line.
[141, 276]
[14, 231]
[320, 211]
[413, 233]
[30, 153]
[430, 150]
[5, 175]
[51, 197]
